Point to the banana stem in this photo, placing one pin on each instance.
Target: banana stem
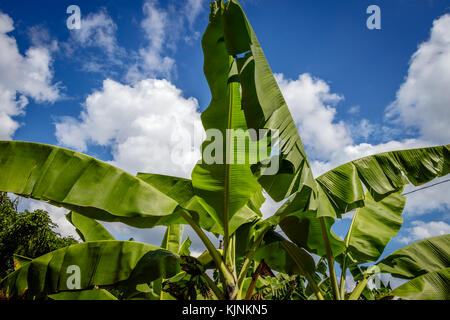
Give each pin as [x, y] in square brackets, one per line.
[330, 261]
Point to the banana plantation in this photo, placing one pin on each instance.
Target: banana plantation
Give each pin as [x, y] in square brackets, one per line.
[291, 255]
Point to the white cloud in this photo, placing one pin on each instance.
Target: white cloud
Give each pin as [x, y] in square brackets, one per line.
[157, 28]
[422, 230]
[145, 124]
[423, 100]
[192, 9]
[97, 30]
[311, 104]
[21, 76]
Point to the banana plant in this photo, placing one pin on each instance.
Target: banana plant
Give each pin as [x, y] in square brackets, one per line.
[224, 197]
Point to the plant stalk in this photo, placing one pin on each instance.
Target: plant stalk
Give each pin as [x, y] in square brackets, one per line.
[330, 261]
[226, 275]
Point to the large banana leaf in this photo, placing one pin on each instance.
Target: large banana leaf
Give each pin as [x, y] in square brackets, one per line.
[88, 229]
[223, 184]
[418, 258]
[341, 190]
[101, 263]
[93, 294]
[264, 105]
[382, 174]
[302, 225]
[372, 227]
[182, 191]
[83, 184]
[430, 286]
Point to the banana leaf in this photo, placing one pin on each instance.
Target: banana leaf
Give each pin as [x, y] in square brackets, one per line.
[182, 191]
[418, 258]
[264, 105]
[382, 174]
[82, 184]
[100, 263]
[430, 286]
[372, 227]
[219, 179]
[93, 294]
[88, 229]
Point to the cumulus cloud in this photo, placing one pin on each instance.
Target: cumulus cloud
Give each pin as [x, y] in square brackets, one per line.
[97, 30]
[423, 100]
[422, 230]
[21, 76]
[311, 104]
[150, 126]
[152, 61]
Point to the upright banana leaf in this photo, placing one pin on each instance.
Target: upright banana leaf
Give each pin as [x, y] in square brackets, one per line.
[264, 105]
[372, 227]
[182, 191]
[88, 229]
[89, 264]
[83, 184]
[418, 258]
[430, 286]
[171, 242]
[218, 179]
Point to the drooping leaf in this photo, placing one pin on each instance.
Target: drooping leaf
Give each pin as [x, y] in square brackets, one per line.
[88, 229]
[418, 258]
[382, 174]
[93, 294]
[373, 226]
[265, 107]
[303, 227]
[81, 183]
[430, 286]
[284, 256]
[99, 263]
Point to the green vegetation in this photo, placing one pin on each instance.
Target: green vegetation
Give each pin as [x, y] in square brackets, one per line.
[29, 234]
[224, 197]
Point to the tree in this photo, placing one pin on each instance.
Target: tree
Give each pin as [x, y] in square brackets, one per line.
[224, 196]
[29, 234]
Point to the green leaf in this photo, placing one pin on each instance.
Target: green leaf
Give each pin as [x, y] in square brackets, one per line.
[430, 286]
[88, 229]
[265, 107]
[93, 294]
[100, 263]
[184, 248]
[224, 184]
[82, 184]
[373, 226]
[418, 258]
[284, 256]
[303, 227]
[172, 238]
[382, 174]
[182, 191]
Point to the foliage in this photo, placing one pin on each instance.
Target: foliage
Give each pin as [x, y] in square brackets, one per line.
[30, 234]
[224, 197]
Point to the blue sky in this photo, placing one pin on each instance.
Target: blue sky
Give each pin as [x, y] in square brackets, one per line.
[134, 70]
